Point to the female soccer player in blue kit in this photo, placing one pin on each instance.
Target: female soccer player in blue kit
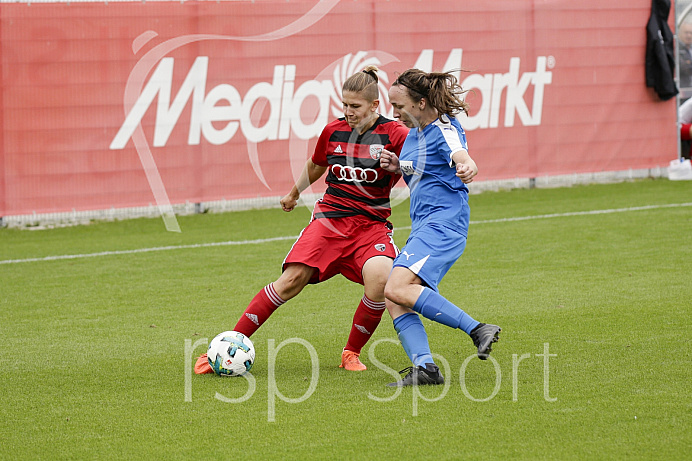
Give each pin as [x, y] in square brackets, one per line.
[436, 166]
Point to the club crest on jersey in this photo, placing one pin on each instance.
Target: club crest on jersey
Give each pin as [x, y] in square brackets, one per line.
[338, 150]
[380, 247]
[376, 151]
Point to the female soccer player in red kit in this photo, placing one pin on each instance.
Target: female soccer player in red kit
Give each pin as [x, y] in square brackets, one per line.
[349, 233]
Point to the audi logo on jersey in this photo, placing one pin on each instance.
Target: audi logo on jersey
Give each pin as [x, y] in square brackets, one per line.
[354, 173]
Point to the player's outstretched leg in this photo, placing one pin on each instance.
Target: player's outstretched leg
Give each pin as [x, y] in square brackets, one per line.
[483, 336]
[257, 312]
[265, 302]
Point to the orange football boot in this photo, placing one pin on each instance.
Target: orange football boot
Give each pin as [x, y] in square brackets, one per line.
[351, 362]
[202, 366]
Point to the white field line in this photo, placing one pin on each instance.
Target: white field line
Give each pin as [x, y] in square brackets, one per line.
[295, 237]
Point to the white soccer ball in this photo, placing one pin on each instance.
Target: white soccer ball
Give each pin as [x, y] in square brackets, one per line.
[231, 354]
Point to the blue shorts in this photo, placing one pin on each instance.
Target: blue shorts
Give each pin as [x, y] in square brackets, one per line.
[431, 251]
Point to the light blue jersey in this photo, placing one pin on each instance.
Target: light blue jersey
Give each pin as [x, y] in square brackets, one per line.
[439, 201]
[437, 194]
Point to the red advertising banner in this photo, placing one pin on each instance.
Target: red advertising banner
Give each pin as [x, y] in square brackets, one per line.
[127, 104]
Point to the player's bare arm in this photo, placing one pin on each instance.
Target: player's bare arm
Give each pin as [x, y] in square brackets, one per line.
[311, 173]
[465, 166]
[389, 161]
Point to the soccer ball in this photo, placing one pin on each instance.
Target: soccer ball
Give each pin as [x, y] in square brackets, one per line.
[231, 354]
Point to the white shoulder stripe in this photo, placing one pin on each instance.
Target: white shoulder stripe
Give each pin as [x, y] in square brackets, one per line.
[451, 137]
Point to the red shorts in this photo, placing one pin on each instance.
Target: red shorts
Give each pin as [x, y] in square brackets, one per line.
[341, 246]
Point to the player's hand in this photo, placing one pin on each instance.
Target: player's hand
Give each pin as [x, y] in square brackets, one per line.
[389, 161]
[466, 172]
[288, 203]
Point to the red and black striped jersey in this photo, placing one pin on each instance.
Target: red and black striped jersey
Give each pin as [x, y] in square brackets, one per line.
[356, 185]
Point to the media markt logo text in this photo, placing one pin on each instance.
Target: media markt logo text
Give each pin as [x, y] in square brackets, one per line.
[224, 103]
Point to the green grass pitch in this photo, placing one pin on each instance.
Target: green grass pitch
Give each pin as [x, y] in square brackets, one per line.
[594, 359]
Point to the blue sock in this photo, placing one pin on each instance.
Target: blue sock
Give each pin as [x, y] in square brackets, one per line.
[432, 305]
[413, 337]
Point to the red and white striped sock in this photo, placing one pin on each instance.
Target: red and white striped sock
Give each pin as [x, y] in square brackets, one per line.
[258, 311]
[365, 321]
